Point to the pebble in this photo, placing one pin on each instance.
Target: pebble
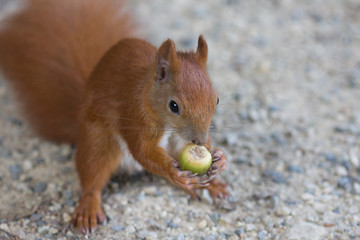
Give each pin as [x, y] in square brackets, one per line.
[262, 235]
[278, 138]
[181, 236]
[117, 228]
[215, 217]
[275, 176]
[35, 217]
[345, 183]
[43, 229]
[282, 211]
[231, 139]
[356, 188]
[16, 122]
[202, 224]
[354, 159]
[341, 171]
[307, 196]
[19, 232]
[211, 237]
[239, 231]
[330, 157]
[27, 165]
[295, 169]
[305, 230]
[143, 234]
[241, 160]
[171, 224]
[66, 217]
[130, 229]
[39, 187]
[15, 171]
[250, 227]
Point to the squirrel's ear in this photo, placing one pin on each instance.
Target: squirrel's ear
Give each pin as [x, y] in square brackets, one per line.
[202, 51]
[166, 61]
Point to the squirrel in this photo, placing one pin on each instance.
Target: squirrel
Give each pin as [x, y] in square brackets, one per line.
[82, 78]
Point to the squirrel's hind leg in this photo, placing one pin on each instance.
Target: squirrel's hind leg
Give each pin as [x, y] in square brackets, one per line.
[97, 157]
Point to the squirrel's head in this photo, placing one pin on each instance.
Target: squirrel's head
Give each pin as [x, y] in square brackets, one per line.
[183, 94]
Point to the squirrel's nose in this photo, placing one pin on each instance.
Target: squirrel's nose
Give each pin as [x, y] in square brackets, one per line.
[198, 141]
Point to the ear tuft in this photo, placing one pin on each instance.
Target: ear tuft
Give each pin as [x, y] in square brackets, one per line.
[166, 61]
[202, 51]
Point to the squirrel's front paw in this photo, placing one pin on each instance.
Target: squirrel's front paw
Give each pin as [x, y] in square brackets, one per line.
[217, 189]
[219, 162]
[88, 213]
[187, 180]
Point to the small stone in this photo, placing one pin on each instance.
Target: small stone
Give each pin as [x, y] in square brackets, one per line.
[40, 187]
[15, 171]
[170, 224]
[53, 231]
[35, 217]
[39, 160]
[143, 234]
[354, 159]
[250, 227]
[227, 234]
[341, 171]
[43, 229]
[282, 211]
[211, 237]
[19, 232]
[231, 139]
[117, 228]
[215, 217]
[336, 210]
[56, 207]
[241, 160]
[278, 138]
[16, 122]
[66, 217]
[330, 157]
[239, 231]
[202, 224]
[356, 188]
[305, 230]
[307, 196]
[67, 194]
[261, 235]
[5, 153]
[27, 165]
[295, 169]
[273, 108]
[345, 183]
[5, 227]
[130, 229]
[181, 236]
[70, 202]
[274, 176]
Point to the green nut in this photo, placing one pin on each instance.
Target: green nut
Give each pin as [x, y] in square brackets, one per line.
[196, 159]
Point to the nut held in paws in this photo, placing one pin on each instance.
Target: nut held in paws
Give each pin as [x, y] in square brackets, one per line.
[196, 159]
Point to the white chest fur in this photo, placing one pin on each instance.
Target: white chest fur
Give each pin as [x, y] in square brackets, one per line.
[172, 143]
[128, 164]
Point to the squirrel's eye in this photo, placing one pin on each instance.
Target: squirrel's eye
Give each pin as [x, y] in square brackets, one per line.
[217, 101]
[174, 107]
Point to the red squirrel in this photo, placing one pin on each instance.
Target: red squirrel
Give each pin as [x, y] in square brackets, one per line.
[82, 79]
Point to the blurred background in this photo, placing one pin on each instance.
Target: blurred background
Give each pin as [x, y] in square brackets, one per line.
[288, 76]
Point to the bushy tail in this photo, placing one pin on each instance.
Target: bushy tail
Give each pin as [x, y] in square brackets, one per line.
[48, 50]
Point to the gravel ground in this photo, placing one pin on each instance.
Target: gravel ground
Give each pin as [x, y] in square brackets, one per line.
[288, 73]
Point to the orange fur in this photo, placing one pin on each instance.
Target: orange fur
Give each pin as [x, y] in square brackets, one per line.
[49, 50]
[76, 87]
